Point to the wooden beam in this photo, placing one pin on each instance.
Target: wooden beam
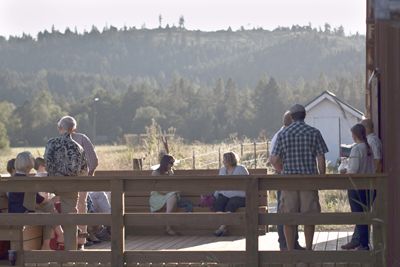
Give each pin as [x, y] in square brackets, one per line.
[292, 257]
[143, 256]
[54, 219]
[188, 184]
[31, 184]
[92, 256]
[186, 219]
[334, 218]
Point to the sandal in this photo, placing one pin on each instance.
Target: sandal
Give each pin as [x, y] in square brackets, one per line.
[170, 232]
[221, 232]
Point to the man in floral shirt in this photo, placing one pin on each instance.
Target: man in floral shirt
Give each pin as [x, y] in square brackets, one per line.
[65, 157]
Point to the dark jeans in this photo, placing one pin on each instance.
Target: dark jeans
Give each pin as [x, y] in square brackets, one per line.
[360, 201]
[281, 234]
[228, 204]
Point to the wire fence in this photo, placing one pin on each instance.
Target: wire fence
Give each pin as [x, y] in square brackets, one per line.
[252, 155]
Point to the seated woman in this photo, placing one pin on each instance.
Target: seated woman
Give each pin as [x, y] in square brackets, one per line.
[159, 200]
[229, 201]
[360, 161]
[20, 202]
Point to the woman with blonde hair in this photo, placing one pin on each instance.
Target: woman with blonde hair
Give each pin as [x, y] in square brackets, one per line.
[229, 201]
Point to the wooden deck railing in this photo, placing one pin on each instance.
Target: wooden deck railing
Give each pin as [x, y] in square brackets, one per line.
[250, 219]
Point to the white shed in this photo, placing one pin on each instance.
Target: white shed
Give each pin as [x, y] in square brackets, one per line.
[333, 118]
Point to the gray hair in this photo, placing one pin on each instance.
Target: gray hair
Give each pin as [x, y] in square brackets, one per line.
[67, 123]
[24, 162]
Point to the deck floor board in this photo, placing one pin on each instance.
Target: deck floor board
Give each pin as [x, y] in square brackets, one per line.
[269, 242]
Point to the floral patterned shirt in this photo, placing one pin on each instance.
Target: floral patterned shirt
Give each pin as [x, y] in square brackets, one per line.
[65, 157]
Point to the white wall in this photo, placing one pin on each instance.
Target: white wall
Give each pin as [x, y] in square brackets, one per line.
[327, 115]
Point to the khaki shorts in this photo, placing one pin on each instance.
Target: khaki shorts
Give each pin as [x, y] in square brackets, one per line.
[299, 201]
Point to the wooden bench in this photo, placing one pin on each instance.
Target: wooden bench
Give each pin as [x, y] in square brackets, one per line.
[139, 202]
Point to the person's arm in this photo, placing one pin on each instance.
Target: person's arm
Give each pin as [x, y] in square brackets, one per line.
[321, 149]
[91, 155]
[276, 162]
[378, 165]
[276, 155]
[354, 161]
[321, 164]
[376, 147]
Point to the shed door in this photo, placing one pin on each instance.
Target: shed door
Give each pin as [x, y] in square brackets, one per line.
[330, 130]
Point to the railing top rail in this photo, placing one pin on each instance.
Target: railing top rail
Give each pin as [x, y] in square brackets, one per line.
[281, 177]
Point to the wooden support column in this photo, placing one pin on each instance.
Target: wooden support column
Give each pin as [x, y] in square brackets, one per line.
[117, 225]
[379, 226]
[252, 255]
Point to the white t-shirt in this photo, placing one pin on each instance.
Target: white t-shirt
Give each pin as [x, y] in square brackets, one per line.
[359, 161]
[239, 170]
[376, 145]
[273, 140]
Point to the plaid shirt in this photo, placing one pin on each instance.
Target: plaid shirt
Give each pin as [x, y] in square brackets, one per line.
[298, 145]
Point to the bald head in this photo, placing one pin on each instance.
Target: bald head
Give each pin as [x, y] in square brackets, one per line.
[368, 125]
[287, 119]
[67, 124]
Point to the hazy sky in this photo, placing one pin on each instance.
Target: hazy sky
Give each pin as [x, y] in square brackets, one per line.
[32, 16]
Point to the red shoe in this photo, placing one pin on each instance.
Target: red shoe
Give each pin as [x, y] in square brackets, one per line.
[55, 245]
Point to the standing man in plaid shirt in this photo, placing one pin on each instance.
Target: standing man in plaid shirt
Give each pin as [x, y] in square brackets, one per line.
[299, 149]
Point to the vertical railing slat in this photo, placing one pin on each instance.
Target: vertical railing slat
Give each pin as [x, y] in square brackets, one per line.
[252, 256]
[117, 225]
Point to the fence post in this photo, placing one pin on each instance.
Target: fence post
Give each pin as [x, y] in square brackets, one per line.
[219, 158]
[241, 150]
[255, 155]
[252, 255]
[194, 160]
[117, 225]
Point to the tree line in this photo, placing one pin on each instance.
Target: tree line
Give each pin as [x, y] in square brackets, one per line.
[205, 85]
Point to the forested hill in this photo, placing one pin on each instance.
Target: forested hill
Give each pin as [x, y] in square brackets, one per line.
[247, 55]
[206, 85]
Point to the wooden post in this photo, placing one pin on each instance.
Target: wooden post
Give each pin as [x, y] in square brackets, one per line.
[194, 160]
[18, 245]
[219, 158]
[379, 226]
[241, 150]
[117, 225]
[252, 258]
[255, 155]
[137, 164]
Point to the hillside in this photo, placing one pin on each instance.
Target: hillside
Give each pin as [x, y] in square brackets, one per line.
[206, 85]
